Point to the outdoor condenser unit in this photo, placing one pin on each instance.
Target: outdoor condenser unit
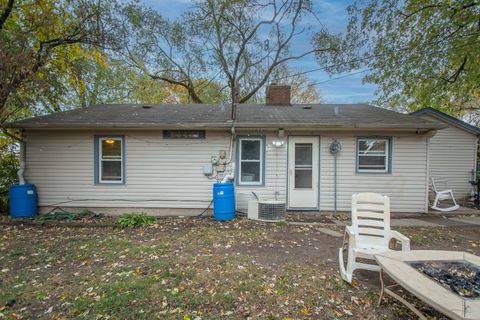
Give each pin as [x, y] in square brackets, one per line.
[266, 210]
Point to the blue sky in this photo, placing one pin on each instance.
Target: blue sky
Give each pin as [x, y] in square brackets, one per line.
[333, 14]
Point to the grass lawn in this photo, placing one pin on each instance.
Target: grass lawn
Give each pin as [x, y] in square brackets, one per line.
[194, 269]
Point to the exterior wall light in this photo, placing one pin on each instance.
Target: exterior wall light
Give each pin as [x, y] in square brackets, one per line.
[278, 143]
[280, 139]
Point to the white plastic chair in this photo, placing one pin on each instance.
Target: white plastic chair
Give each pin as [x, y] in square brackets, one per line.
[441, 196]
[369, 233]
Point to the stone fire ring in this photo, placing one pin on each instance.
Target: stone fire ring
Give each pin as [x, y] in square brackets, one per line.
[396, 265]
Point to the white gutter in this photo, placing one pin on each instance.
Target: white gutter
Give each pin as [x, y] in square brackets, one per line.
[231, 176]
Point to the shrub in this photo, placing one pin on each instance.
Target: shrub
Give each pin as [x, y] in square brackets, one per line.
[132, 220]
[8, 169]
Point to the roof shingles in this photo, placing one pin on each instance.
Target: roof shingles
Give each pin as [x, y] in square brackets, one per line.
[215, 116]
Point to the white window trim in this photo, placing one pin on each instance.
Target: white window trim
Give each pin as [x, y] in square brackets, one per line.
[100, 160]
[386, 155]
[260, 161]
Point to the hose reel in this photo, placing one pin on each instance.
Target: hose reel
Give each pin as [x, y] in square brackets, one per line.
[335, 147]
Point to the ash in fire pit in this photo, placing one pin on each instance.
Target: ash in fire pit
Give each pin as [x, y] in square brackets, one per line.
[461, 277]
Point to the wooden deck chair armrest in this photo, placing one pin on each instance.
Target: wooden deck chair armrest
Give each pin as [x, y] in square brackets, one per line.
[400, 238]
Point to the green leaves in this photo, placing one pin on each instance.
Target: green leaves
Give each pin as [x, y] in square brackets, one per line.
[39, 40]
[132, 220]
[423, 53]
[9, 165]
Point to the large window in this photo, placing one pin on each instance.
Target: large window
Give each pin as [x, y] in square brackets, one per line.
[373, 155]
[110, 160]
[251, 157]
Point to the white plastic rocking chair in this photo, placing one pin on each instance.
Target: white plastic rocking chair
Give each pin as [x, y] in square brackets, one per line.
[443, 195]
[369, 233]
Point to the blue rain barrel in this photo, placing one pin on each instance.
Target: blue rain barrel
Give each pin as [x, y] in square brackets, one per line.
[23, 201]
[223, 201]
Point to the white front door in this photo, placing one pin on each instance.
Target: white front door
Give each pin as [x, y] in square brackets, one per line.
[303, 172]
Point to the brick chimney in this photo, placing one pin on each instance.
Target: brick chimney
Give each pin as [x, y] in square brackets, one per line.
[278, 94]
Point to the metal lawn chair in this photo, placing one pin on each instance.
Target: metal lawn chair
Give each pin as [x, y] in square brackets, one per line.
[369, 233]
[441, 195]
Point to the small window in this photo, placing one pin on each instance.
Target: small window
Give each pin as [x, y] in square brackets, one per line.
[184, 134]
[251, 157]
[110, 166]
[373, 155]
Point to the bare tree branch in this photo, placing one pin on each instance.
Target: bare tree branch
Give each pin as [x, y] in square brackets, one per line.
[453, 78]
[217, 35]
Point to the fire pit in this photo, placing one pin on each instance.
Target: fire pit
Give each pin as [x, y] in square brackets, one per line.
[461, 277]
[449, 281]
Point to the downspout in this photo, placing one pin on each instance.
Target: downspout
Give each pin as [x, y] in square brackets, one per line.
[21, 170]
[474, 170]
[335, 181]
[429, 135]
[232, 143]
[427, 176]
[231, 176]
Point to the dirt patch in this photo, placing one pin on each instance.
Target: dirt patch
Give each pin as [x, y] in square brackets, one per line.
[289, 244]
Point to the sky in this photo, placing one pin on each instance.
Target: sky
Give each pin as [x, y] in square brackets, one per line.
[333, 15]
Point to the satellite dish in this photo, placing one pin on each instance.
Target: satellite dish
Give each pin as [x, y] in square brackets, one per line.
[335, 147]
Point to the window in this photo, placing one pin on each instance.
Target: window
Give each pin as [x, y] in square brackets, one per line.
[184, 134]
[373, 155]
[110, 166]
[303, 165]
[251, 157]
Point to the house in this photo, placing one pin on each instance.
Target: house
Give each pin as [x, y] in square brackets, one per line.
[452, 152]
[164, 159]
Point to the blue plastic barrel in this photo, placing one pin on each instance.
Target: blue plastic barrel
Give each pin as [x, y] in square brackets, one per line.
[23, 200]
[223, 201]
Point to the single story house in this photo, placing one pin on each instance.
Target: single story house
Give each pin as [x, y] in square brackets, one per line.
[164, 159]
[452, 152]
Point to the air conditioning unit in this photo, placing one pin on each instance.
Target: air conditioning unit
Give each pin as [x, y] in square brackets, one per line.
[266, 210]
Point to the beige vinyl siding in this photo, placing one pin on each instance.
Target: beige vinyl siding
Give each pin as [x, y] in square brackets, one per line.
[159, 173]
[61, 164]
[405, 185]
[453, 153]
[168, 173]
[275, 175]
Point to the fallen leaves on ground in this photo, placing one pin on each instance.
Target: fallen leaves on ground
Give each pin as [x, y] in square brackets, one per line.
[192, 269]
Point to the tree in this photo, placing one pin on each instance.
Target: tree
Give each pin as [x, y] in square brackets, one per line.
[111, 80]
[219, 41]
[9, 164]
[37, 39]
[421, 53]
[147, 90]
[99, 80]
